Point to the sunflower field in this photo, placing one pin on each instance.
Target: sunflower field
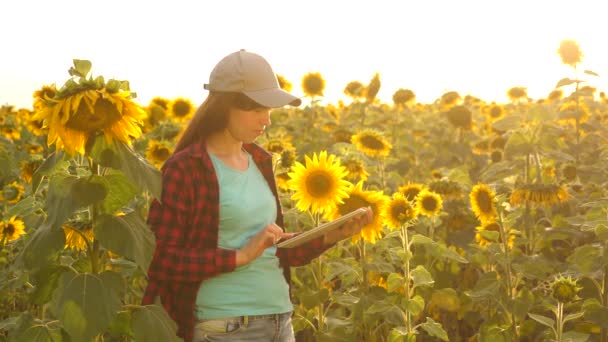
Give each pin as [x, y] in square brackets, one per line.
[490, 219]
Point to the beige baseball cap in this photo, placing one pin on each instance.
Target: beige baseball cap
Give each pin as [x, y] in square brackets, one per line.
[249, 73]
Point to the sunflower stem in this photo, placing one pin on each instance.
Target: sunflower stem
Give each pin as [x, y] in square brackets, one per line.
[406, 286]
[604, 295]
[576, 117]
[559, 321]
[504, 237]
[318, 270]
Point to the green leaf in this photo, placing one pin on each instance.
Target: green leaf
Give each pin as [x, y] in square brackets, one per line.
[121, 325]
[54, 161]
[46, 281]
[422, 277]
[434, 329]
[518, 145]
[42, 332]
[596, 313]
[81, 68]
[87, 303]
[487, 286]
[127, 235]
[346, 299]
[574, 336]
[573, 316]
[120, 192]
[589, 72]
[587, 259]
[564, 82]
[88, 190]
[310, 299]
[151, 323]
[60, 204]
[378, 307]
[452, 255]
[446, 299]
[422, 240]
[137, 169]
[394, 282]
[42, 247]
[508, 123]
[550, 322]
[498, 171]
[415, 305]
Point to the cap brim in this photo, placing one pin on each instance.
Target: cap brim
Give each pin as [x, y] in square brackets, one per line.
[273, 98]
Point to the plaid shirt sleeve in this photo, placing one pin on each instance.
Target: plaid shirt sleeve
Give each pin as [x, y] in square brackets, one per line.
[176, 258]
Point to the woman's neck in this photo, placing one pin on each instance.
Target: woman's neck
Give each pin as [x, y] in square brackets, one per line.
[222, 144]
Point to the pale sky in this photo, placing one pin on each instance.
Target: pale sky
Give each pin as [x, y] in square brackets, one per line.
[168, 48]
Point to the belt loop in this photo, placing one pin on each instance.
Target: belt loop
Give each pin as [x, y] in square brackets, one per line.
[245, 321]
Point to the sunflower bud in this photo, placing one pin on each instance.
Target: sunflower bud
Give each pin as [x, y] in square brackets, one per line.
[564, 290]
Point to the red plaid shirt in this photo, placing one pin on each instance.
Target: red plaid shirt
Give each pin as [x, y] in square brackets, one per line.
[186, 228]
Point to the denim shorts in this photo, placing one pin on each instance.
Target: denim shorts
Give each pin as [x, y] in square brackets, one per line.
[257, 328]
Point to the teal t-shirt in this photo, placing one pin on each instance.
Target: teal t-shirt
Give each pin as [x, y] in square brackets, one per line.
[246, 206]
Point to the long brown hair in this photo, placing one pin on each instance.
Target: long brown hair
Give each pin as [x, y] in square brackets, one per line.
[212, 116]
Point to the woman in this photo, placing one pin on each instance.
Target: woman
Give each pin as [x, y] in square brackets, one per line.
[216, 269]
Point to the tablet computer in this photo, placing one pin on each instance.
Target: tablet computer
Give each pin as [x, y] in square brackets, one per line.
[320, 230]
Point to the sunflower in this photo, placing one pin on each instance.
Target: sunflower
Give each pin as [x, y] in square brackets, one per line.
[11, 230]
[284, 83]
[448, 189]
[572, 110]
[354, 90]
[288, 158]
[496, 156]
[77, 239]
[564, 289]
[492, 226]
[34, 148]
[156, 112]
[356, 169]
[11, 193]
[517, 93]
[72, 119]
[483, 202]
[371, 143]
[555, 95]
[342, 135]
[428, 203]
[28, 168]
[181, 109]
[538, 195]
[282, 179]
[411, 190]
[319, 185]
[570, 52]
[569, 172]
[43, 97]
[399, 211]
[158, 151]
[11, 133]
[449, 99]
[495, 112]
[359, 198]
[313, 84]
[278, 145]
[372, 88]
[403, 96]
[460, 117]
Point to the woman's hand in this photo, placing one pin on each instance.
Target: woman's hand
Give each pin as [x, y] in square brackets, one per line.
[268, 236]
[350, 228]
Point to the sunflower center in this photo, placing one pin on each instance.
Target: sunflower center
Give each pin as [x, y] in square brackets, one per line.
[9, 230]
[181, 109]
[372, 142]
[318, 184]
[429, 203]
[484, 202]
[104, 115]
[161, 153]
[354, 202]
[10, 193]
